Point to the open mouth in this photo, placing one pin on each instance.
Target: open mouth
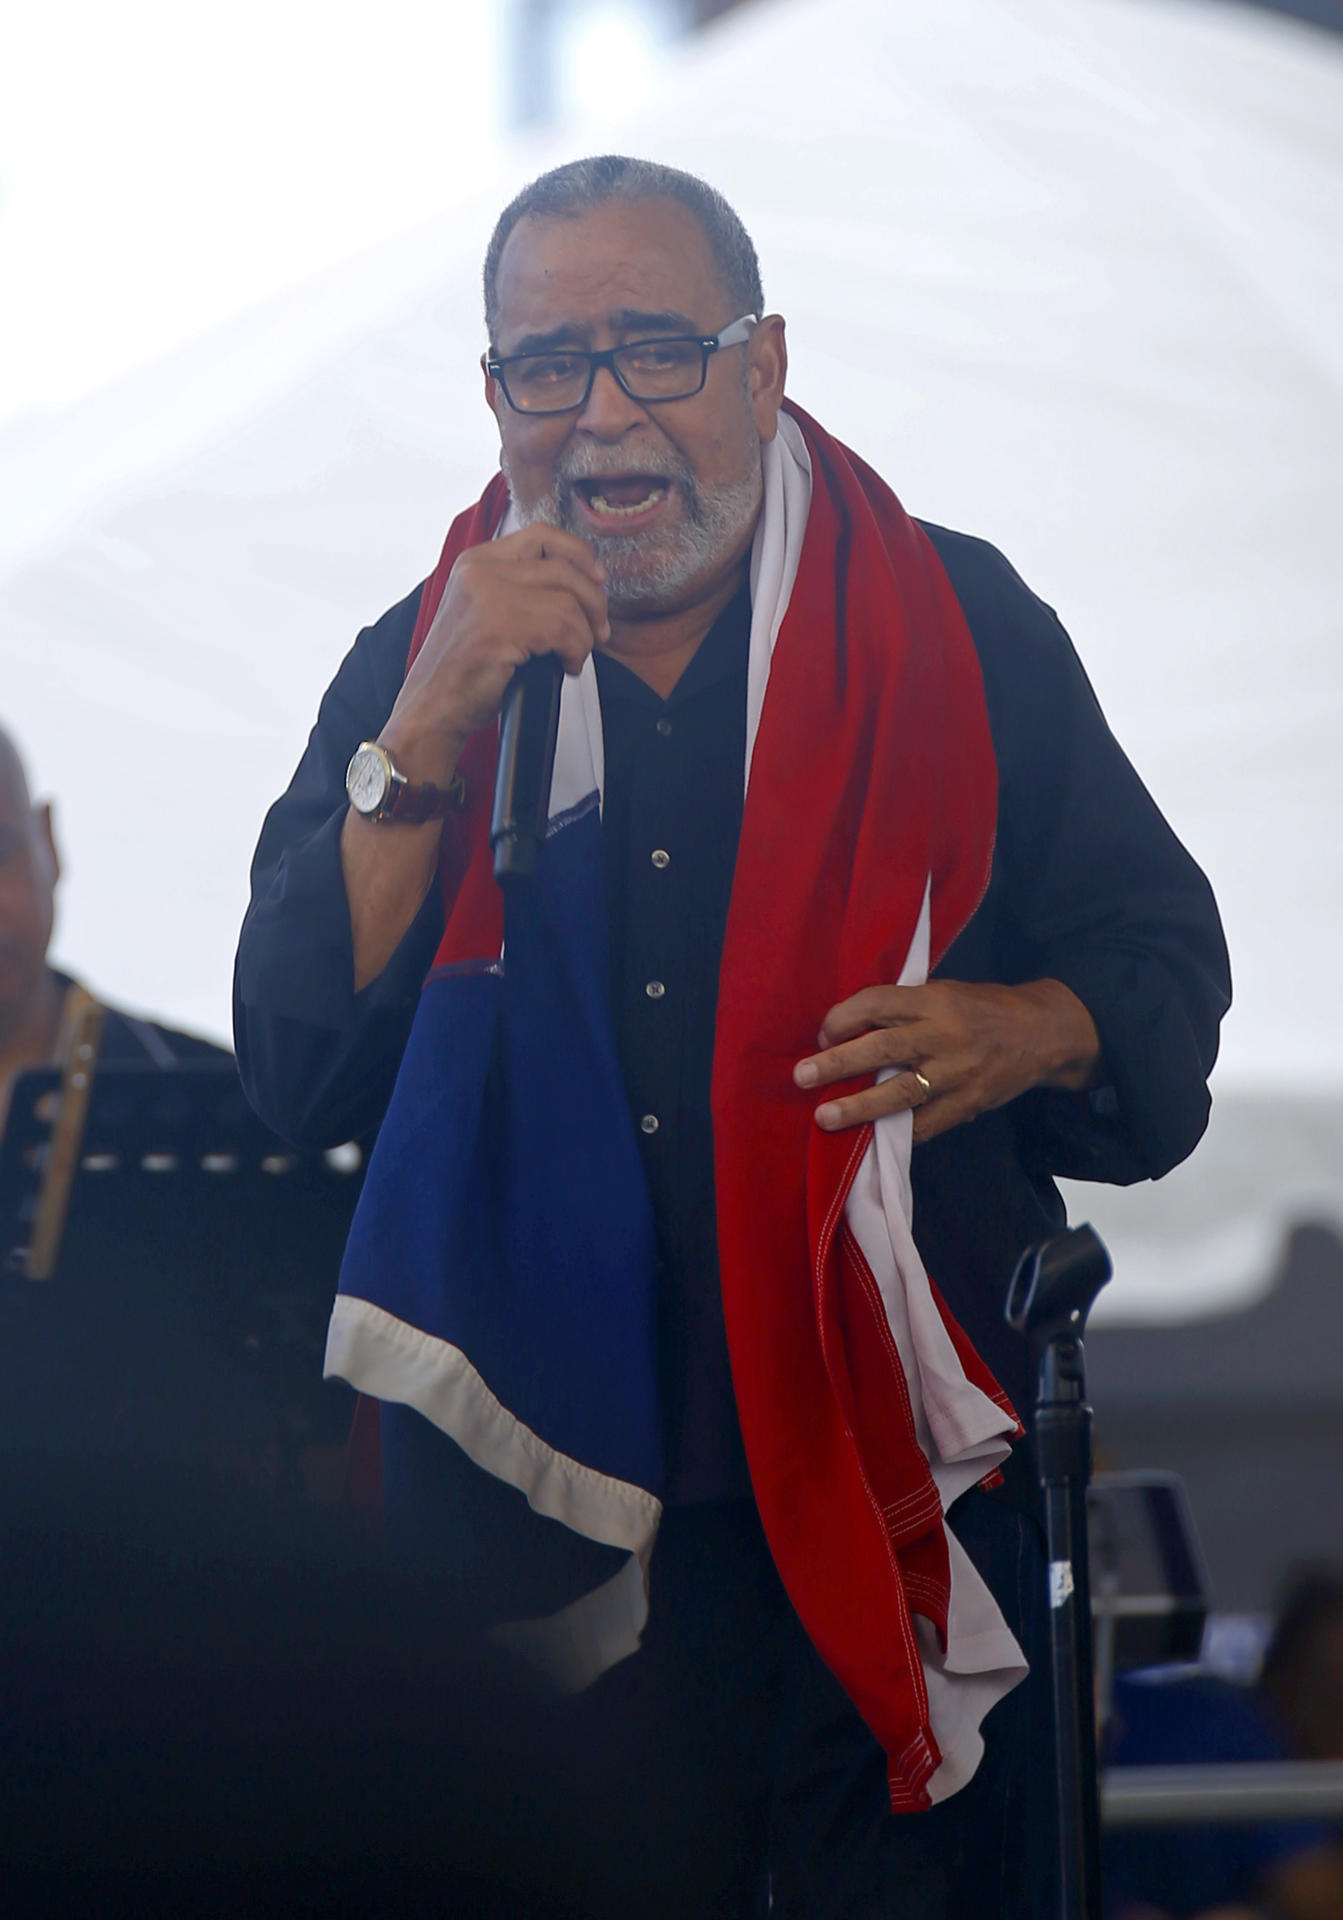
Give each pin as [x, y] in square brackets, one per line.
[611, 496]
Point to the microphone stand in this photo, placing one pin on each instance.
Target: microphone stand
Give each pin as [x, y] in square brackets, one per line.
[1052, 1292]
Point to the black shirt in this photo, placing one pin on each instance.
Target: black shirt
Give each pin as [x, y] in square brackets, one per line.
[1089, 886]
[671, 820]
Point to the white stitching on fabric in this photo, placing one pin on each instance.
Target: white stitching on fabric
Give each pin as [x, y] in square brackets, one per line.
[923, 1584]
[914, 1502]
[850, 1250]
[455, 969]
[919, 1512]
[571, 815]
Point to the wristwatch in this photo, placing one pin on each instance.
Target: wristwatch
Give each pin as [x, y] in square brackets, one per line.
[380, 792]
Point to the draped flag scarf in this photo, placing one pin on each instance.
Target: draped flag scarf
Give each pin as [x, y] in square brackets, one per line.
[500, 1276]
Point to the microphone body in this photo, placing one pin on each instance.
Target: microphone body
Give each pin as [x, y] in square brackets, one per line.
[528, 729]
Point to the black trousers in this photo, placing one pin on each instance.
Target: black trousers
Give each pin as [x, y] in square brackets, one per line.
[724, 1772]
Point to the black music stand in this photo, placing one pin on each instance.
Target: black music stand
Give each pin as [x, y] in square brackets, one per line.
[1150, 1592]
[185, 1314]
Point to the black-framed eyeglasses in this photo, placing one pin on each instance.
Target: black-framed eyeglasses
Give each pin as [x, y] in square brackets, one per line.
[560, 381]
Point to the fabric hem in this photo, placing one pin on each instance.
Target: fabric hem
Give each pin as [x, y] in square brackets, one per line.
[391, 1360]
[572, 1648]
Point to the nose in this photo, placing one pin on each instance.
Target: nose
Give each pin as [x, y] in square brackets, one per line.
[608, 412]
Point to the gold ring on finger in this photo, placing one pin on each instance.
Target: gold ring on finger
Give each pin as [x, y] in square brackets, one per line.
[925, 1084]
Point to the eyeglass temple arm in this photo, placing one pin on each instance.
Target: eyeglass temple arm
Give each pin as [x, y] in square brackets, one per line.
[738, 331]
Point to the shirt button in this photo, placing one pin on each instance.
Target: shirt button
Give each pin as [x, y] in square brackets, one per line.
[660, 858]
[664, 728]
[649, 1123]
[655, 989]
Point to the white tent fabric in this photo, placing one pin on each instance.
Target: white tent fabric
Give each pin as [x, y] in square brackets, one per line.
[1065, 271]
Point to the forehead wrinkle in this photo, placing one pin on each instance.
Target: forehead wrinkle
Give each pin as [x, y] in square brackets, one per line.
[640, 320]
[619, 324]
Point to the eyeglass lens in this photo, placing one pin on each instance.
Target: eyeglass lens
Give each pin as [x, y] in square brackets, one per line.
[649, 369]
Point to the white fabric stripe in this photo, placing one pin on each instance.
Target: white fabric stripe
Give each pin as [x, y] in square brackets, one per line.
[390, 1360]
[585, 692]
[963, 1433]
[775, 552]
[572, 1648]
[580, 757]
[982, 1663]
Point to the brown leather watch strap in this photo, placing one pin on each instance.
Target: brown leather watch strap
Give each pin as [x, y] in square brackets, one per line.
[422, 800]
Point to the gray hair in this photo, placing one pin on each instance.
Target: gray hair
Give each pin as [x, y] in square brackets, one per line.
[582, 185]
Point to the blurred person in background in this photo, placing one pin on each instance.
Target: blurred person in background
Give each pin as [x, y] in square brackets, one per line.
[1266, 1870]
[653, 1362]
[44, 1014]
[125, 1252]
[1301, 1682]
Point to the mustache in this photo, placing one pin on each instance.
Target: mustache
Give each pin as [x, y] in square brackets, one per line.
[593, 463]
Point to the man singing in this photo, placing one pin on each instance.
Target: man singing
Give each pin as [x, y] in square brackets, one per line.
[705, 1157]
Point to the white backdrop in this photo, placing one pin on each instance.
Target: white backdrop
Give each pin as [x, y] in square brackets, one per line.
[1066, 271]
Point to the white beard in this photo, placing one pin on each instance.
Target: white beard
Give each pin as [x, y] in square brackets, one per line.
[646, 568]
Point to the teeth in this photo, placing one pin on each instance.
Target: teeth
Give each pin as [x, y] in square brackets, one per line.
[600, 504]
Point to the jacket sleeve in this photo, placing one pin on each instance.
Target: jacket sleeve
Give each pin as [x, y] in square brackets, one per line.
[317, 1059]
[1091, 887]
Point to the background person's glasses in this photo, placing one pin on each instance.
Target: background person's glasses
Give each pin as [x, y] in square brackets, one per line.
[560, 382]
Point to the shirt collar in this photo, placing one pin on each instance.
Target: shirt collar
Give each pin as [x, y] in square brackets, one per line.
[721, 654]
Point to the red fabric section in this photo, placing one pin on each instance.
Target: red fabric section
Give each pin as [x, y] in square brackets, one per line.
[470, 529]
[473, 906]
[873, 769]
[975, 1370]
[898, 1470]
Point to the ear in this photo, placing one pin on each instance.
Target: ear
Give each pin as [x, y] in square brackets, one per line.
[44, 828]
[767, 370]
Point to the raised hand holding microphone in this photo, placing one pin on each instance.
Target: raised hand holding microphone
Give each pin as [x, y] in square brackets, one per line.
[532, 593]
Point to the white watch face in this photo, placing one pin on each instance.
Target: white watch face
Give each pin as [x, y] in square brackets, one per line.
[366, 781]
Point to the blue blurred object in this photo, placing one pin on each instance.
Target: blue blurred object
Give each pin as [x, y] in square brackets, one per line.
[1182, 1871]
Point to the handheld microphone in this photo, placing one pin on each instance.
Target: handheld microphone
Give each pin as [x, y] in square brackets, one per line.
[528, 729]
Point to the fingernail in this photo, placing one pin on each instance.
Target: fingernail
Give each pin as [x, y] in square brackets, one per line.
[806, 1073]
[828, 1115]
